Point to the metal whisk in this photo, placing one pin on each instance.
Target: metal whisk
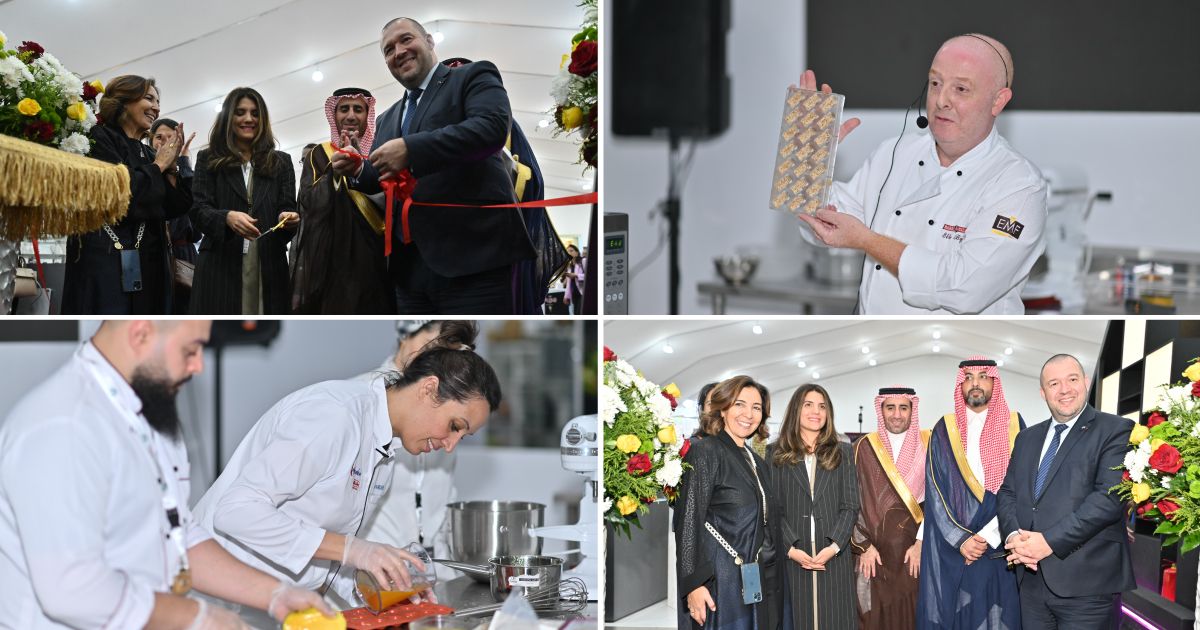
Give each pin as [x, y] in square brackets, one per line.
[570, 596]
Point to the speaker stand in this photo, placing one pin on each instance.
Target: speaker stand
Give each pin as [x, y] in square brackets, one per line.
[673, 219]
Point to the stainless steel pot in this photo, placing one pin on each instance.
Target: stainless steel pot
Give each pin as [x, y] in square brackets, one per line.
[530, 573]
[836, 267]
[481, 530]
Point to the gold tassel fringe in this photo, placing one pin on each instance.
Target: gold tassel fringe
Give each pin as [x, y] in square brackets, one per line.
[46, 192]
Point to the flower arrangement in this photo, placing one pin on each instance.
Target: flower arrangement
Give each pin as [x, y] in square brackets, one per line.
[643, 454]
[575, 86]
[43, 102]
[1162, 467]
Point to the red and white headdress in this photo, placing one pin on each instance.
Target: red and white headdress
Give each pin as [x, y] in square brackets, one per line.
[910, 462]
[367, 136]
[993, 444]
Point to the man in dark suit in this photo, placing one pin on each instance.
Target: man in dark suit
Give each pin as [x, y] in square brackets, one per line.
[448, 132]
[1064, 528]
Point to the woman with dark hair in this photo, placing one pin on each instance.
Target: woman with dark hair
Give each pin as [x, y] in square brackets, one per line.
[246, 206]
[181, 234]
[728, 532]
[311, 472]
[818, 491]
[123, 269]
[574, 276]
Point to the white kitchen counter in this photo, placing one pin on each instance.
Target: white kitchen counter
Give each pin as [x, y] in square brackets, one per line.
[655, 617]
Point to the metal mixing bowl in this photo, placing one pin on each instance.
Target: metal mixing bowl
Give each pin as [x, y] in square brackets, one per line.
[736, 270]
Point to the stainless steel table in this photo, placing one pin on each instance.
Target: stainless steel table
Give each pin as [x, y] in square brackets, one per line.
[802, 292]
[463, 592]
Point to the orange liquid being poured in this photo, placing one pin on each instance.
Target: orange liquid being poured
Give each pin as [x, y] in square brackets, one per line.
[386, 599]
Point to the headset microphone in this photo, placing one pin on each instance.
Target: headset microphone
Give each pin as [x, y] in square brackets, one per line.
[922, 122]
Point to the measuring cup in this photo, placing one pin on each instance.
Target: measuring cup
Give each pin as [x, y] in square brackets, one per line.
[377, 598]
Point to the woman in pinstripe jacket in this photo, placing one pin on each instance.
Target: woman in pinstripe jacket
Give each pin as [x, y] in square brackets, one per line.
[242, 188]
[819, 516]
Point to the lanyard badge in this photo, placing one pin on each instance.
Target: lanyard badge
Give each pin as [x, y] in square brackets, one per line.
[183, 579]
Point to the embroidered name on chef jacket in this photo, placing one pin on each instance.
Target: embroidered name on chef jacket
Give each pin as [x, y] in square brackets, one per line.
[1008, 226]
[953, 232]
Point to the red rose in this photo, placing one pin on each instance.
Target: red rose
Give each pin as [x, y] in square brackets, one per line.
[590, 152]
[684, 449]
[1126, 476]
[1145, 507]
[1167, 507]
[39, 131]
[591, 117]
[670, 493]
[99, 119]
[671, 398]
[609, 355]
[583, 60]
[1156, 419]
[1166, 459]
[638, 464]
[1196, 389]
[89, 92]
[31, 47]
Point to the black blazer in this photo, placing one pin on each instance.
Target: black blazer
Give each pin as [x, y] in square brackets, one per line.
[1078, 516]
[217, 283]
[454, 142]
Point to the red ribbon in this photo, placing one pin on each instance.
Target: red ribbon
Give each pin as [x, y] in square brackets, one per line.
[402, 184]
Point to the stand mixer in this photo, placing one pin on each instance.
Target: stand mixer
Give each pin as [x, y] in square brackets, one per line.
[580, 448]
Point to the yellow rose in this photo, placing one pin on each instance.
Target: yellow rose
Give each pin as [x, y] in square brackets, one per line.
[98, 85]
[628, 504]
[78, 111]
[29, 107]
[673, 390]
[1193, 372]
[1155, 443]
[1140, 432]
[572, 117]
[566, 59]
[1140, 491]
[667, 435]
[628, 443]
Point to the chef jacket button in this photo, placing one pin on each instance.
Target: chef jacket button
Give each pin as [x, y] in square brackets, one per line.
[960, 173]
[897, 213]
[931, 222]
[921, 163]
[877, 267]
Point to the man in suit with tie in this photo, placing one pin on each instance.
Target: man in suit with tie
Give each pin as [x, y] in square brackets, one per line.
[1064, 528]
[448, 132]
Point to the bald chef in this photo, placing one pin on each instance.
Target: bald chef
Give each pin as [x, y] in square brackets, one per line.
[959, 223]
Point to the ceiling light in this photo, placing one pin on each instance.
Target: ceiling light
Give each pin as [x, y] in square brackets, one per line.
[587, 185]
[438, 37]
[757, 329]
[816, 375]
[872, 362]
[801, 364]
[667, 348]
[1008, 351]
[543, 123]
[937, 334]
[317, 76]
[999, 364]
[218, 107]
[866, 349]
[937, 348]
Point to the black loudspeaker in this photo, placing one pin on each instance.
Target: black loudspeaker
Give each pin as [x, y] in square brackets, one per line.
[668, 67]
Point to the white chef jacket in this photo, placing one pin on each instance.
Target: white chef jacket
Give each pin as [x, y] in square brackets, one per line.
[430, 475]
[975, 422]
[83, 532]
[965, 253]
[319, 460]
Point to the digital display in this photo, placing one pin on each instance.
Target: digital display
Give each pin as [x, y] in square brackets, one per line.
[614, 245]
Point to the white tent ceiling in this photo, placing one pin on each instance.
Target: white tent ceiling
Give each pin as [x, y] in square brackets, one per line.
[198, 51]
[708, 350]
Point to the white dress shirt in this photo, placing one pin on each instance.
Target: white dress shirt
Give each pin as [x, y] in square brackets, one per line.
[83, 531]
[957, 260]
[897, 440]
[1046, 444]
[397, 521]
[975, 422]
[317, 461]
[403, 109]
